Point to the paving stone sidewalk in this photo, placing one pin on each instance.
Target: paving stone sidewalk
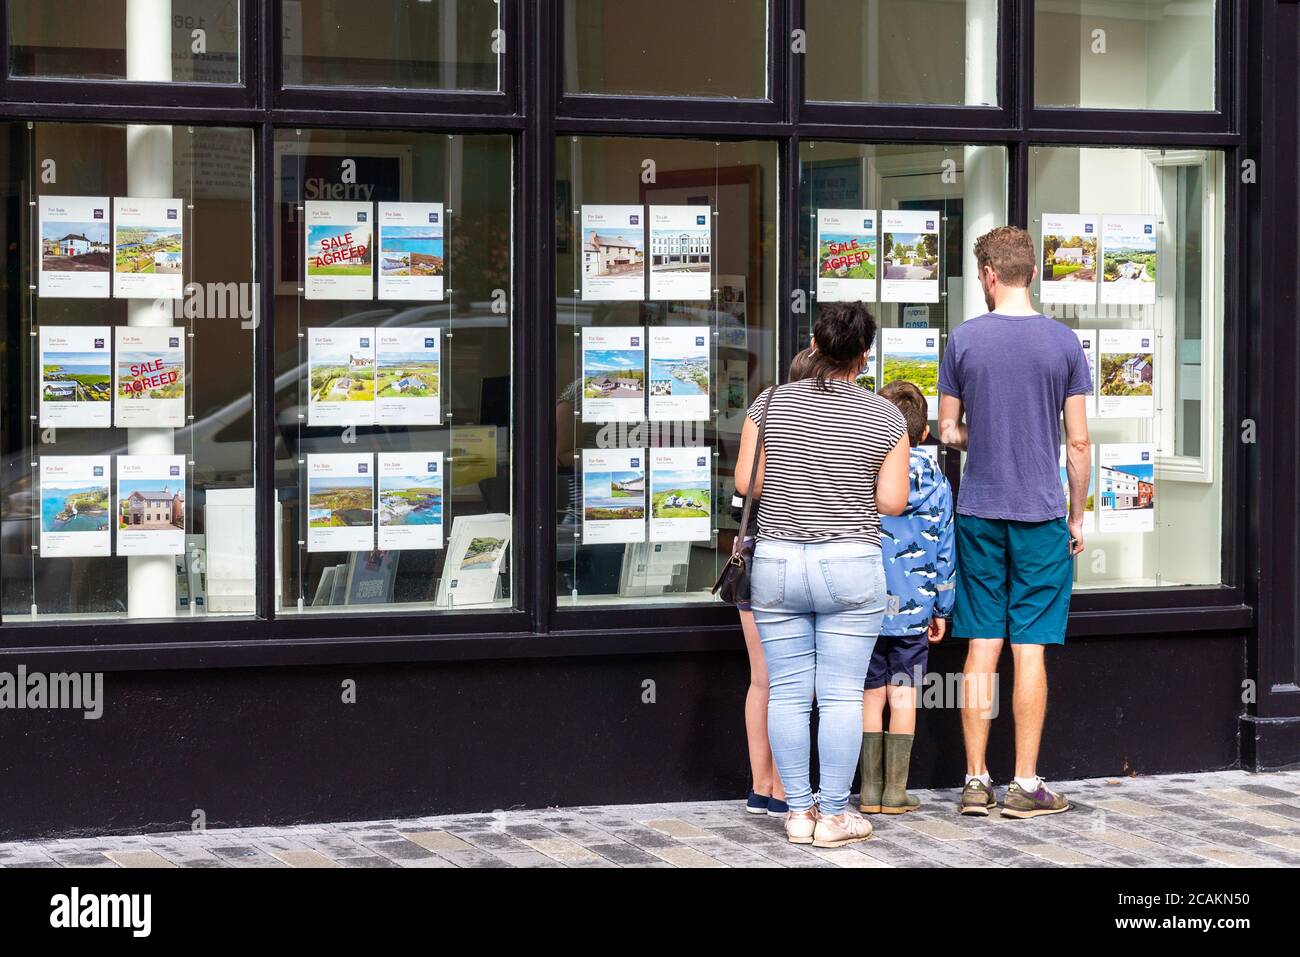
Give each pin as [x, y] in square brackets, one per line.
[1218, 819]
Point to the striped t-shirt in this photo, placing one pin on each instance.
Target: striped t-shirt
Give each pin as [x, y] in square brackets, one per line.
[824, 452]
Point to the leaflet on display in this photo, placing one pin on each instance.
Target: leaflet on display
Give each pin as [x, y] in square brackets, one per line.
[681, 494]
[148, 248]
[76, 388]
[910, 254]
[76, 247]
[151, 504]
[613, 495]
[149, 377]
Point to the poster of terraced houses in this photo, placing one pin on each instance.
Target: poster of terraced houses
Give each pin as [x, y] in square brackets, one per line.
[150, 508]
[613, 374]
[613, 495]
[613, 252]
[148, 248]
[847, 255]
[1068, 269]
[149, 377]
[1128, 252]
[76, 377]
[76, 518]
[76, 248]
[681, 494]
[679, 373]
[681, 253]
[410, 500]
[1126, 487]
[340, 502]
[909, 255]
[341, 376]
[340, 259]
[408, 376]
[1126, 387]
[412, 257]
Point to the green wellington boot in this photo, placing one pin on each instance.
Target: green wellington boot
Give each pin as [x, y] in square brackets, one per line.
[871, 765]
[898, 755]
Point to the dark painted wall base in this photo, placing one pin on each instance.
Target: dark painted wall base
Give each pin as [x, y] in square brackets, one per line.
[1270, 744]
[266, 746]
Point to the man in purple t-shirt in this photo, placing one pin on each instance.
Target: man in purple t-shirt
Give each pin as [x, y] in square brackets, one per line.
[1012, 373]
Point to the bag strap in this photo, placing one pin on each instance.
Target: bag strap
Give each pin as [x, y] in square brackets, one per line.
[753, 474]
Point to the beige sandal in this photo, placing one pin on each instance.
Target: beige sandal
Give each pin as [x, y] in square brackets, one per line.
[846, 828]
[800, 825]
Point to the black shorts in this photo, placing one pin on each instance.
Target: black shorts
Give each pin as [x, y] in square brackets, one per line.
[898, 660]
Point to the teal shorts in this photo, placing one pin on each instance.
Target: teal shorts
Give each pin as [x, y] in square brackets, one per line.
[1013, 580]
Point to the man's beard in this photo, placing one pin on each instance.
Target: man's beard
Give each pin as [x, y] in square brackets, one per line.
[988, 297]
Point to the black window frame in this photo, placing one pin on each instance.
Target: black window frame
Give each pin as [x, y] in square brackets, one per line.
[533, 109]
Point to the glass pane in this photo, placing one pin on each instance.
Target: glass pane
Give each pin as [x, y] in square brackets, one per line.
[902, 51]
[182, 41]
[1137, 55]
[670, 48]
[893, 226]
[128, 416]
[674, 281]
[393, 370]
[398, 44]
[1131, 258]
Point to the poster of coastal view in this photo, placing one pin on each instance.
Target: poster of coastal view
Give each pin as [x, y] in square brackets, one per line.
[76, 249]
[679, 373]
[613, 495]
[1126, 385]
[410, 500]
[1068, 268]
[150, 504]
[909, 255]
[408, 376]
[340, 376]
[847, 255]
[681, 495]
[76, 377]
[76, 517]
[339, 258]
[912, 355]
[613, 374]
[476, 551]
[412, 257]
[148, 245]
[149, 377]
[340, 502]
[1128, 252]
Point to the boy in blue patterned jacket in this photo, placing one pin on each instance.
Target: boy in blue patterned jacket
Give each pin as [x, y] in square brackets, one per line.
[920, 571]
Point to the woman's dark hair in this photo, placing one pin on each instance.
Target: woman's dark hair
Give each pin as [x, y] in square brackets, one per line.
[842, 333]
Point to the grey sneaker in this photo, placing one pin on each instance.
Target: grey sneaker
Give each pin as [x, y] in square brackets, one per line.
[1020, 803]
[977, 798]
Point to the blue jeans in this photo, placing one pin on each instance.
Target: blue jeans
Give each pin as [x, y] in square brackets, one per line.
[818, 608]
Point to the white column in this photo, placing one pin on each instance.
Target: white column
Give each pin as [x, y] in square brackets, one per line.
[984, 167]
[151, 579]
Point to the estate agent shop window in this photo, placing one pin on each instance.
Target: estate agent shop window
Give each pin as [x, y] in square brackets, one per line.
[270, 364]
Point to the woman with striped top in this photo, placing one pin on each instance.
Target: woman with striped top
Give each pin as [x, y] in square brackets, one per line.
[834, 458]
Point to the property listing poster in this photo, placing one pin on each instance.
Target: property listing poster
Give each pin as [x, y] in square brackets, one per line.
[870, 374]
[412, 256]
[76, 247]
[76, 514]
[1128, 252]
[408, 376]
[340, 376]
[150, 504]
[847, 255]
[912, 354]
[910, 252]
[1090, 503]
[1126, 481]
[339, 260]
[410, 500]
[149, 377]
[340, 502]
[1068, 269]
[1127, 383]
[681, 500]
[679, 373]
[475, 555]
[1088, 340]
[613, 496]
[148, 245]
[681, 249]
[613, 252]
[613, 374]
[76, 377]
